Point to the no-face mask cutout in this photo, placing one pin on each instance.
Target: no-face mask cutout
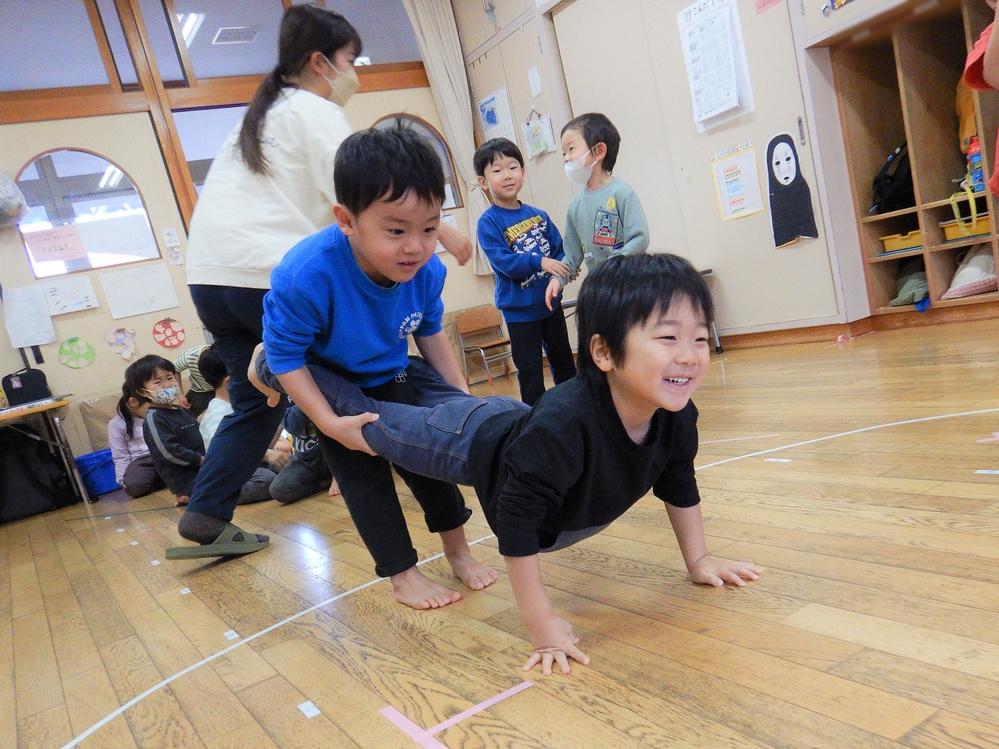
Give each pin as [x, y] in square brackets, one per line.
[790, 199]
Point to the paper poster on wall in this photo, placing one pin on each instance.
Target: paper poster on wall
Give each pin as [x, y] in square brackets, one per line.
[136, 291]
[26, 315]
[539, 137]
[715, 56]
[791, 210]
[495, 117]
[57, 243]
[534, 81]
[118, 235]
[70, 294]
[737, 182]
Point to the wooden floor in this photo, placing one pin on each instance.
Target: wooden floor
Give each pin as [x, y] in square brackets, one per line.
[875, 624]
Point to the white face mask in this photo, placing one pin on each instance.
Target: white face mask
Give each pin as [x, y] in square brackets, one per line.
[343, 86]
[576, 172]
[165, 396]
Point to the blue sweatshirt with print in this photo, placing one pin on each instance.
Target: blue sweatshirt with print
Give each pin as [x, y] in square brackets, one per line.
[515, 241]
[323, 309]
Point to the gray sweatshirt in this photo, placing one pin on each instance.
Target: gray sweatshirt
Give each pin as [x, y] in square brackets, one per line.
[604, 222]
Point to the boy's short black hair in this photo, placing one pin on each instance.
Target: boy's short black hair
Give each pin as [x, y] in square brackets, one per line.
[374, 165]
[597, 128]
[625, 291]
[212, 368]
[486, 154]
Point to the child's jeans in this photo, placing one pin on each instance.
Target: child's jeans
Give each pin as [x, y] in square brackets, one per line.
[432, 438]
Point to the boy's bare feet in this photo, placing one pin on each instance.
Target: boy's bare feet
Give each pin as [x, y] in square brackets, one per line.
[474, 574]
[418, 591]
[180, 500]
[334, 489]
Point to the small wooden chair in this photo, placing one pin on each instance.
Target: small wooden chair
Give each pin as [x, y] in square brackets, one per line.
[481, 331]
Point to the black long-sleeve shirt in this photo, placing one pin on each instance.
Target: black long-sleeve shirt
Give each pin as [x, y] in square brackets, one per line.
[565, 470]
[175, 443]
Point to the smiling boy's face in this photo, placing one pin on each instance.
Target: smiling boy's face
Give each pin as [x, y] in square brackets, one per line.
[665, 360]
[391, 241]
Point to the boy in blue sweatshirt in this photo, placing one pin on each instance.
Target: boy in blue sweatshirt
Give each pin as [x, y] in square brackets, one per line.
[525, 251]
[346, 299]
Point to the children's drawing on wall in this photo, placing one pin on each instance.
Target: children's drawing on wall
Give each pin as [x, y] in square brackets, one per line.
[790, 199]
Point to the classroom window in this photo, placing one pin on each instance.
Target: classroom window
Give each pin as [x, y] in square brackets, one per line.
[202, 133]
[430, 134]
[85, 213]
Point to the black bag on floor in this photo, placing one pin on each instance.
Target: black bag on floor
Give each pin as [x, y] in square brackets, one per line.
[32, 479]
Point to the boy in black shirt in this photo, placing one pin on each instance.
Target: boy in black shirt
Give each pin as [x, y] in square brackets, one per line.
[552, 475]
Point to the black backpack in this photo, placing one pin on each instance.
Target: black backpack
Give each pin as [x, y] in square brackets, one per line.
[32, 479]
[893, 185]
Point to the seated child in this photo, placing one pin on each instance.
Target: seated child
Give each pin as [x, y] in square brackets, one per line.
[200, 393]
[213, 372]
[347, 299]
[306, 473]
[553, 475]
[606, 218]
[133, 465]
[981, 72]
[525, 251]
[171, 431]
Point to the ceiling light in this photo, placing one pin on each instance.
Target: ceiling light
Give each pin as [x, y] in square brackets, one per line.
[107, 175]
[236, 34]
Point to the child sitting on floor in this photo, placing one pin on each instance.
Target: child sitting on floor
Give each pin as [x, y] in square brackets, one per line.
[171, 431]
[133, 465]
[553, 475]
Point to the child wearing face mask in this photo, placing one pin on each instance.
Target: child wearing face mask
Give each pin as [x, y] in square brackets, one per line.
[606, 218]
[171, 432]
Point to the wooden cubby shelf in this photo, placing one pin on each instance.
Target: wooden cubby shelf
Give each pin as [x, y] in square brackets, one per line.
[900, 86]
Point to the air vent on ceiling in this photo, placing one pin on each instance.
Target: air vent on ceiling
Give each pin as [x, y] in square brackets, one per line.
[236, 34]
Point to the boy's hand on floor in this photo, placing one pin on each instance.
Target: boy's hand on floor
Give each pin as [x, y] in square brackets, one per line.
[347, 431]
[554, 642]
[714, 571]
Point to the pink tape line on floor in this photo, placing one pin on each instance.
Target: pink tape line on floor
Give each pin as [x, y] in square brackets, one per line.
[425, 738]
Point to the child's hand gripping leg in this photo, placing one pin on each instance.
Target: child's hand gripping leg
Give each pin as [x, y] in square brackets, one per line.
[273, 396]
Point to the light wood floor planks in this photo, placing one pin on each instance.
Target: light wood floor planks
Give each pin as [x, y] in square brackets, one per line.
[875, 625]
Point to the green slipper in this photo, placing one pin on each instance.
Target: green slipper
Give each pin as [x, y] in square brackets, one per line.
[225, 545]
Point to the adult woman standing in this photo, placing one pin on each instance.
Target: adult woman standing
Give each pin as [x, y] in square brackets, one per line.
[270, 187]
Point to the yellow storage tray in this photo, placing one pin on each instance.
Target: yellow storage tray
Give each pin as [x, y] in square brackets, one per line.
[952, 231]
[900, 242]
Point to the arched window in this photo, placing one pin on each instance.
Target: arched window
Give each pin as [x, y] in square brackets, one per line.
[429, 133]
[85, 214]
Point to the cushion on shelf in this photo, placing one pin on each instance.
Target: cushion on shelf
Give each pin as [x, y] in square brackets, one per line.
[975, 275]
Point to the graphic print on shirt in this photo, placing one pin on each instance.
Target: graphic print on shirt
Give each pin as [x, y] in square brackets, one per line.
[410, 324]
[607, 228]
[528, 237]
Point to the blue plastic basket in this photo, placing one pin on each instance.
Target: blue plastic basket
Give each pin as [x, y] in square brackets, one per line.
[97, 472]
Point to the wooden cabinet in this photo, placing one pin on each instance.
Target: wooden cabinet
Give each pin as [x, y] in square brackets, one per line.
[898, 84]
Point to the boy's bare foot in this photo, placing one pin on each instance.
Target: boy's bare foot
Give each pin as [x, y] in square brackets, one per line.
[334, 489]
[418, 591]
[180, 500]
[473, 573]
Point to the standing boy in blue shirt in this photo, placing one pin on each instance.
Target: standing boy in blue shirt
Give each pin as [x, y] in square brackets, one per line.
[525, 251]
[606, 218]
[346, 299]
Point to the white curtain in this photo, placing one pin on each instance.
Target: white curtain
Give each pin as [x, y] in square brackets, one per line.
[437, 34]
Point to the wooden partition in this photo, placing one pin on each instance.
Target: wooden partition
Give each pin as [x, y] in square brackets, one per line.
[899, 84]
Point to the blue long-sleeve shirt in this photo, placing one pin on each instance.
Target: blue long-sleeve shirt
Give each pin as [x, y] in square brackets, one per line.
[515, 241]
[323, 309]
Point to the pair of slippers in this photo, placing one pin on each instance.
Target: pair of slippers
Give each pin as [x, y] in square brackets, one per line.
[233, 541]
